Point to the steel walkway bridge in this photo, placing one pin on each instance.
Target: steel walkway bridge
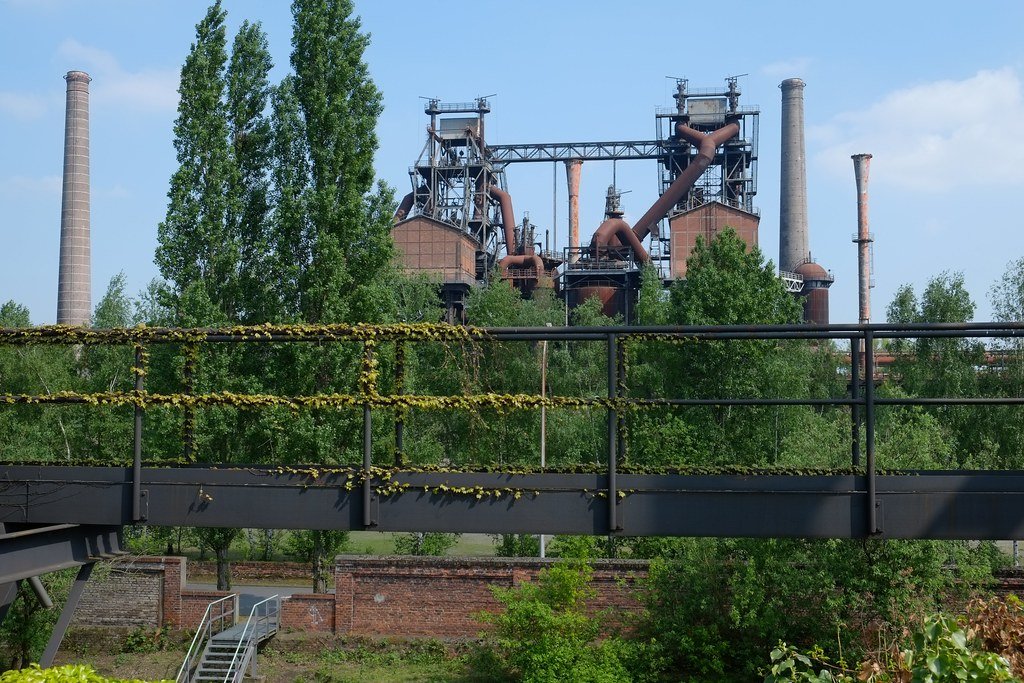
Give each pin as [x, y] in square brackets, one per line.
[55, 516]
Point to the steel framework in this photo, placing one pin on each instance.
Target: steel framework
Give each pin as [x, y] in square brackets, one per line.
[386, 496]
[54, 517]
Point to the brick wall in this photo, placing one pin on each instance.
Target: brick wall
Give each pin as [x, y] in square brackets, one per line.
[257, 571]
[374, 596]
[410, 596]
[194, 604]
[142, 580]
[144, 591]
[311, 613]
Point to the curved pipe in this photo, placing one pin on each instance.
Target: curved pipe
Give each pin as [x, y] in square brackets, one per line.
[405, 207]
[508, 221]
[615, 232]
[519, 261]
[706, 145]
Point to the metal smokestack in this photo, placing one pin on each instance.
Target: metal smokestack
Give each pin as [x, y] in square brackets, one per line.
[861, 167]
[572, 176]
[793, 246]
[74, 283]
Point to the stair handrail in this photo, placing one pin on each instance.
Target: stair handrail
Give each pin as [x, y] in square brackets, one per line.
[247, 632]
[206, 626]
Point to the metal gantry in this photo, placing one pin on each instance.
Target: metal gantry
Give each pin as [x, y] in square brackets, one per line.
[58, 516]
[374, 495]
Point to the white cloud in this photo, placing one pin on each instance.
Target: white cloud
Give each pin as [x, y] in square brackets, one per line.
[787, 68]
[31, 186]
[146, 89]
[935, 136]
[22, 106]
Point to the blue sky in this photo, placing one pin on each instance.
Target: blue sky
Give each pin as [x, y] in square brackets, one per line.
[932, 90]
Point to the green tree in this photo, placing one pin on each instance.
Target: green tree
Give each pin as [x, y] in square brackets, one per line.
[196, 242]
[350, 218]
[727, 284]
[247, 96]
[937, 367]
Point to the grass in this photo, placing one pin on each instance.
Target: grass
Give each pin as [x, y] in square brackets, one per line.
[309, 658]
[383, 543]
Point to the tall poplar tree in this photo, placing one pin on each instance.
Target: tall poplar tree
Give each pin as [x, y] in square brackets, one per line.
[349, 216]
[196, 244]
[248, 92]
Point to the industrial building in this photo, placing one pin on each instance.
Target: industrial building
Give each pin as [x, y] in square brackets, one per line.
[458, 218]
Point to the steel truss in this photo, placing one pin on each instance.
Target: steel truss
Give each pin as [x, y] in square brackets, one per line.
[971, 505]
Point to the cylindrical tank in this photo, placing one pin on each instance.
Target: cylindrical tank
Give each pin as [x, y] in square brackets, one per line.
[74, 280]
[793, 241]
[815, 292]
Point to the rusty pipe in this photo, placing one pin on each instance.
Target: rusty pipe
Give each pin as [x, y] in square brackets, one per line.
[615, 232]
[520, 260]
[572, 177]
[861, 168]
[405, 207]
[706, 145]
[508, 221]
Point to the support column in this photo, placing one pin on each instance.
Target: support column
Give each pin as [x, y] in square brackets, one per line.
[572, 176]
[77, 588]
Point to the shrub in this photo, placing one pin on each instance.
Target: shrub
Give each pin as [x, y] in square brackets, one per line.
[73, 673]
[545, 633]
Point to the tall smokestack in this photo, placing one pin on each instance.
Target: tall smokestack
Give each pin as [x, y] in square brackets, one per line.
[793, 247]
[74, 283]
[861, 167]
[572, 176]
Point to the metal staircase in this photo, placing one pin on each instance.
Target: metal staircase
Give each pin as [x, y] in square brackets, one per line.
[228, 650]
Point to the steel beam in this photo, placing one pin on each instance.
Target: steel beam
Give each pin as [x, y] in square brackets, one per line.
[61, 627]
[925, 504]
[35, 550]
[8, 592]
[591, 151]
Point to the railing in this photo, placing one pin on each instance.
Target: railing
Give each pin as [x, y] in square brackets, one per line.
[217, 612]
[861, 399]
[264, 613]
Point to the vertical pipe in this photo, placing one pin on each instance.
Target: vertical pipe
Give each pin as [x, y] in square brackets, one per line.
[613, 423]
[861, 168]
[869, 409]
[793, 249]
[855, 415]
[137, 459]
[74, 281]
[572, 176]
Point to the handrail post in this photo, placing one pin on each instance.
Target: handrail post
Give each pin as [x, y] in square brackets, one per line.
[140, 372]
[399, 410]
[620, 372]
[369, 389]
[188, 423]
[856, 348]
[613, 425]
[869, 409]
